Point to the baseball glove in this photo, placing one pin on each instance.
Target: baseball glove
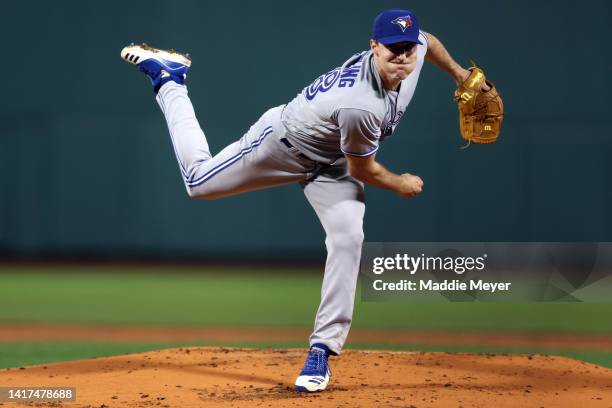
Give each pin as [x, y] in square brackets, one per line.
[480, 112]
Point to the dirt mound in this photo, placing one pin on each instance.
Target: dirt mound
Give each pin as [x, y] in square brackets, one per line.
[221, 377]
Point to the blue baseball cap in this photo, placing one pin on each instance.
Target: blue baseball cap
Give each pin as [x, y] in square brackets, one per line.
[396, 25]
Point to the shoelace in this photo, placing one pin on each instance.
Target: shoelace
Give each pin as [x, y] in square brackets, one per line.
[316, 362]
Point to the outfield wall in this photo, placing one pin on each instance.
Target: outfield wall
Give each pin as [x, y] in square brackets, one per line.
[86, 166]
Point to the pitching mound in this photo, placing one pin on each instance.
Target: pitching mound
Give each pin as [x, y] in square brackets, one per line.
[219, 377]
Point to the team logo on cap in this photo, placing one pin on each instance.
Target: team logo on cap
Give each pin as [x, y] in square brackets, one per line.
[403, 22]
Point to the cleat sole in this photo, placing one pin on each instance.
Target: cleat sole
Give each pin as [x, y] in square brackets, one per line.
[134, 54]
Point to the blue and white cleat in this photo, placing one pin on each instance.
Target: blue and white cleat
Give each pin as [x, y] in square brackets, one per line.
[315, 374]
[160, 66]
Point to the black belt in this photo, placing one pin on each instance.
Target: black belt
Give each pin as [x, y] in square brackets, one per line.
[292, 149]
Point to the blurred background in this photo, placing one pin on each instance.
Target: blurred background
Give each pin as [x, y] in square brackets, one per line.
[95, 225]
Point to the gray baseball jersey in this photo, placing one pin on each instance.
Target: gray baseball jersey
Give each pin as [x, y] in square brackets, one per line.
[347, 111]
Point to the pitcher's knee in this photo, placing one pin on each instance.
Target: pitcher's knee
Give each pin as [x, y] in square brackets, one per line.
[347, 239]
[201, 192]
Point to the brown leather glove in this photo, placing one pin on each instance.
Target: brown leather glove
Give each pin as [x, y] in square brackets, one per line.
[480, 112]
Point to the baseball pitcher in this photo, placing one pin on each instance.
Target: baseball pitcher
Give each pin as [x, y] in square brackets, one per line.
[326, 140]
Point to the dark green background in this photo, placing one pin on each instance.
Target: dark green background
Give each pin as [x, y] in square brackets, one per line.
[86, 166]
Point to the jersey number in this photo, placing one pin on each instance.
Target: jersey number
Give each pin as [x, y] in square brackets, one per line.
[326, 81]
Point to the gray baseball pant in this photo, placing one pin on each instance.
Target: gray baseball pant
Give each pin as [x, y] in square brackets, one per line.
[260, 160]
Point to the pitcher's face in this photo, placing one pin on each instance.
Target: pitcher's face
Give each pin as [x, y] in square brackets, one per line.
[394, 61]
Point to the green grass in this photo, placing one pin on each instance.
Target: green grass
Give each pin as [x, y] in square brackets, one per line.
[239, 297]
[225, 297]
[13, 354]
[21, 354]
